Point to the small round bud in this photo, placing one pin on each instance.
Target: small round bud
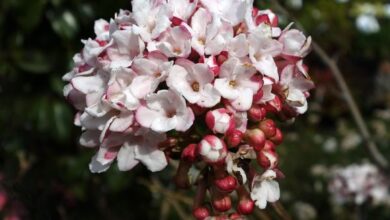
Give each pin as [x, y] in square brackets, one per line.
[234, 138]
[212, 149]
[267, 159]
[226, 184]
[257, 113]
[268, 127]
[278, 137]
[255, 138]
[220, 121]
[246, 206]
[190, 153]
[201, 213]
[222, 203]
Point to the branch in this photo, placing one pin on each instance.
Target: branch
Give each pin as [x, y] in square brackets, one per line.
[371, 147]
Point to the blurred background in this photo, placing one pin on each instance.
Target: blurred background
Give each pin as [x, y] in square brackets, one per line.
[44, 172]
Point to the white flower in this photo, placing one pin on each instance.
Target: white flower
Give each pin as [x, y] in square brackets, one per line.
[164, 111]
[237, 83]
[265, 189]
[142, 149]
[295, 44]
[175, 42]
[210, 34]
[367, 23]
[152, 16]
[295, 87]
[262, 51]
[150, 72]
[233, 11]
[194, 82]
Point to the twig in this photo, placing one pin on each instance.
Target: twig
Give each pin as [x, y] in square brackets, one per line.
[371, 147]
[281, 211]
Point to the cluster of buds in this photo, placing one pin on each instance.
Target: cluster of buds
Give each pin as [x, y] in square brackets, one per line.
[197, 81]
[358, 184]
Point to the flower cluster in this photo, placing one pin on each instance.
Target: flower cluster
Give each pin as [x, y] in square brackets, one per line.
[359, 184]
[194, 80]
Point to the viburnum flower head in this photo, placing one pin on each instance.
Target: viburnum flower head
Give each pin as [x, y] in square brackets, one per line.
[201, 77]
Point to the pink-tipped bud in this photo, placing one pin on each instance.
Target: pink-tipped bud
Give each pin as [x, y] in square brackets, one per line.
[267, 159]
[222, 203]
[212, 149]
[255, 138]
[175, 21]
[267, 17]
[278, 137]
[234, 138]
[201, 213]
[190, 153]
[222, 57]
[274, 105]
[211, 63]
[220, 121]
[257, 113]
[268, 127]
[226, 184]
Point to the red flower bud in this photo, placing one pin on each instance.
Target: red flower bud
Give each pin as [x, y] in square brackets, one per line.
[226, 184]
[190, 153]
[246, 206]
[220, 121]
[269, 146]
[274, 105]
[268, 127]
[255, 138]
[278, 137]
[257, 113]
[222, 202]
[234, 138]
[267, 159]
[201, 213]
[235, 216]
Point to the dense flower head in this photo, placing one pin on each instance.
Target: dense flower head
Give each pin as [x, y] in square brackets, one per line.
[359, 183]
[201, 76]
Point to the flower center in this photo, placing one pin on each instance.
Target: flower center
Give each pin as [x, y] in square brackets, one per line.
[157, 74]
[177, 50]
[195, 86]
[202, 40]
[170, 114]
[233, 83]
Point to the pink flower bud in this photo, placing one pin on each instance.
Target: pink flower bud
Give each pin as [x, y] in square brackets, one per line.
[176, 21]
[189, 153]
[274, 105]
[267, 17]
[269, 146]
[226, 184]
[221, 202]
[222, 57]
[257, 113]
[212, 149]
[278, 137]
[245, 204]
[255, 138]
[267, 159]
[234, 138]
[268, 127]
[201, 213]
[220, 121]
[235, 216]
[211, 63]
